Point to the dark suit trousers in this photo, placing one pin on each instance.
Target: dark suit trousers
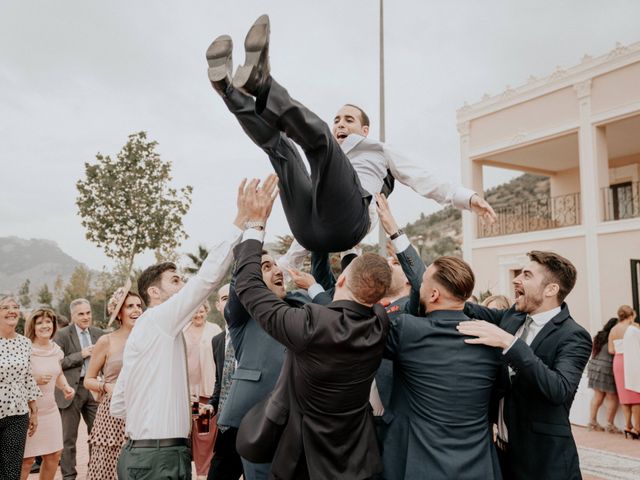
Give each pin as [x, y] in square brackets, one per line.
[83, 405]
[226, 463]
[505, 464]
[327, 211]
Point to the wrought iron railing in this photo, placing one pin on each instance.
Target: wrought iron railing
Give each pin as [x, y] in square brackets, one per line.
[621, 201]
[540, 214]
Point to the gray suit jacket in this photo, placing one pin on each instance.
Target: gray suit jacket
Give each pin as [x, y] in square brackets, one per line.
[259, 358]
[69, 342]
[441, 395]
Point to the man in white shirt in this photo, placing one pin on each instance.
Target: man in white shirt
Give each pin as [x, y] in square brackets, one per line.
[152, 391]
[545, 351]
[331, 209]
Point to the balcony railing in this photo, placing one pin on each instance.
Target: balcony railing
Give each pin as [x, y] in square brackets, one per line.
[541, 214]
[621, 201]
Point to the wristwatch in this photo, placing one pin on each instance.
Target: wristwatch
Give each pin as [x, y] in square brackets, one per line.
[257, 224]
[397, 234]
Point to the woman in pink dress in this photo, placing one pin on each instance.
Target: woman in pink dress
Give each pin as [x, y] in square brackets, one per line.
[629, 399]
[45, 364]
[107, 435]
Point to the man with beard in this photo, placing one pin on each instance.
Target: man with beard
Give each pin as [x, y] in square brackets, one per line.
[333, 354]
[259, 356]
[442, 388]
[546, 352]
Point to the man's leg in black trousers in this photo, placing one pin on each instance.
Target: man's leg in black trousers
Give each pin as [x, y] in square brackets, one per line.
[294, 181]
[226, 463]
[339, 215]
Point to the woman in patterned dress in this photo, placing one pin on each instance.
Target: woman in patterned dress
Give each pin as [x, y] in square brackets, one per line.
[107, 435]
[45, 364]
[18, 391]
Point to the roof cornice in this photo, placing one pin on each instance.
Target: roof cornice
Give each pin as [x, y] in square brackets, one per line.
[588, 68]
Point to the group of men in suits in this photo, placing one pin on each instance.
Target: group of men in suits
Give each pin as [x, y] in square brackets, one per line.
[301, 375]
[440, 392]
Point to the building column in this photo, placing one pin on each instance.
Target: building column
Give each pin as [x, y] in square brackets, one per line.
[589, 138]
[471, 178]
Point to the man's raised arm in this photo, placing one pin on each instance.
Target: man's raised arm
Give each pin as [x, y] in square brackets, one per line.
[286, 324]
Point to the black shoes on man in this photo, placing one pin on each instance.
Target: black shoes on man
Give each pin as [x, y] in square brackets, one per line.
[251, 78]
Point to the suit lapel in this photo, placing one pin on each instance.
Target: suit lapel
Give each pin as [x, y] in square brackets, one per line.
[513, 323]
[551, 326]
[75, 341]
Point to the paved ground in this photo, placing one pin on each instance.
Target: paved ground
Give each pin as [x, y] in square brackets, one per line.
[603, 456]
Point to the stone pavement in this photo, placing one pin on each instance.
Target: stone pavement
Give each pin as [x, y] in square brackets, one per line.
[607, 456]
[603, 456]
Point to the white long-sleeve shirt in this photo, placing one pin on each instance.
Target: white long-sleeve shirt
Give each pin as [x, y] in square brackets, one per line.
[371, 159]
[152, 389]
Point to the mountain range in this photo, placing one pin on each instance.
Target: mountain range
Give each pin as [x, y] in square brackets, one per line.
[39, 260]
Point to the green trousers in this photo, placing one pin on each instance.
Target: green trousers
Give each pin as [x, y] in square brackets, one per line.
[166, 463]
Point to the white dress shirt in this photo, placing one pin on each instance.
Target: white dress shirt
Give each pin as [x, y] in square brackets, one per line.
[152, 389]
[371, 159]
[539, 321]
[85, 361]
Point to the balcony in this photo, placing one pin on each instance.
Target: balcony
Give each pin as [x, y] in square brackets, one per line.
[621, 201]
[542, 214]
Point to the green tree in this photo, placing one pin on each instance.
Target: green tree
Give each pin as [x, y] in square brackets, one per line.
[24, 294]
[58, 288]
[79, 286]
[127, 204]
[196, 260]
[44, 296]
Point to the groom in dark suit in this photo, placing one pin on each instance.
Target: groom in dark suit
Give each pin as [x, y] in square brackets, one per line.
[441, 387]
[545, 352]
[335, 351]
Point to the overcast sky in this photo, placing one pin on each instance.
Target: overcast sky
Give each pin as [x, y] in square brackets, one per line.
[77, 77]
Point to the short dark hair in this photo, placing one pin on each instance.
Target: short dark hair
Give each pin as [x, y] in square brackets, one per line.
[364, 118]
[455, 275]
[369, 277]
[150, 277]
[559, 269]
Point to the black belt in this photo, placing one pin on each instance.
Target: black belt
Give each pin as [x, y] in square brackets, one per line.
[163, 442]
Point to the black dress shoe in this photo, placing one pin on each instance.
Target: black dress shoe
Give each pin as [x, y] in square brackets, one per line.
[252, 77]
[220, 63]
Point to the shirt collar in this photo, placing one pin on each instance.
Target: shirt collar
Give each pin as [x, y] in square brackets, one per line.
[350, 142]
[79, 330]
[543, 317]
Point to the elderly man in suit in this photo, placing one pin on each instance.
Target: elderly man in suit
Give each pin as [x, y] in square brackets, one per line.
[545, 352]
[442, 387]
[334, 353]
[76, 341]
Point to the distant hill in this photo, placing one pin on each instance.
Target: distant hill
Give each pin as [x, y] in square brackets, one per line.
[38, 260]
[42, 261]
[441, 232]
